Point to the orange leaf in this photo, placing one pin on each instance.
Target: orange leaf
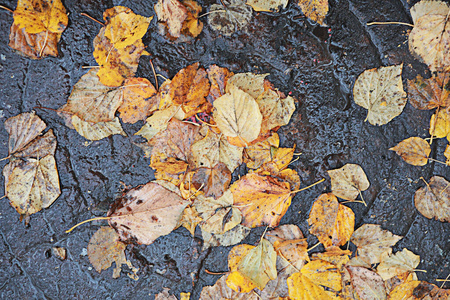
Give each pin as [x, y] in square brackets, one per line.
[414, 151]
[429, 93]
[138, 100]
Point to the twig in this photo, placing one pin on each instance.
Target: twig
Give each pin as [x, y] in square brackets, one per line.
[309, 186]
[154, 74]
[307, 250]
[7, 9]
[165, 78]
[4, 158]
[90, 67]
[444, 281]
[97, 21]
[389, 23]
[196, 116]
[2, 197]
[215, 273]
[210, 12]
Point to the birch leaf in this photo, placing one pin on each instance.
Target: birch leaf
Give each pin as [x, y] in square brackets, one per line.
[97, 131]
[348, 182]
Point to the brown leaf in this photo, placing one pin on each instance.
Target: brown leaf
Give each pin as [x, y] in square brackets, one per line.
[138, 100]
[414, 151]
[146, 212]
[227, 19]
[215, 180]
[261, 152]
[275, 109]
[401, 262]
[348, 182]
[430, 93]
[220, 291]
[190, 219]
[173, 13]
[218, 78]
[231, 237]
[433, 200]
[367, 284]
[419, 290]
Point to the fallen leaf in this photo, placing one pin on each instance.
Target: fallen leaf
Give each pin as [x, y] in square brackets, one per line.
[192, 26]
[231, 237]
[146, 212]
[419, 290]
[380, 91]
[218, 77]
[440, 124]
[237, 116]
[97, 131]
[93, 101]
[190, 219]
[332, 223]
[138, 100]
[276, 111]
[395, 281]
[164, 295]
[105, 248]
[413, 150]
[430, 37]
[261, 152]
[284, 233]
[447, 154]
[315, 10]
[367, 284]
[334, 255]
[372, 242]
[404, 291]
[276, 288]
[263, 200]
[173, 13]
[235, 280]
[214, 180]
[269, 6]
[37, 27]
[401, 262]
[433, 200]
[430, 93]
[230, 18]
[348, 182]
[159, 120]
[221, 291]
[59, 252]
[252, 84]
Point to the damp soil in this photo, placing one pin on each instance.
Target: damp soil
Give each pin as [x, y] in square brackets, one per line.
[317, 65]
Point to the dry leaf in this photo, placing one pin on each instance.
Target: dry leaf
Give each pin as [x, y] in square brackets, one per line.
[221, 291]
[261, 152]
[401, 262]
[372, 242]
[230, 18]
[447, 154]
[218, 78]
[348, 182]
[430, 37]
[269, 6]
[159, 121]
[97, 131]
[413, 150]
[380, 91]
[315, 10]
[235, 280]
[263, 200]
[395, 281]
[331, 222]
[37, 27]
[237, 115]
[105, 248]
[146, 212]
[430, 93]
[433, 200]
[367, 284]
[214, 180]
[440, 124]
[138, 100]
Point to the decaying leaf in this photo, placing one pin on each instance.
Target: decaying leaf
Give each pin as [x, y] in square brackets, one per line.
[231, 237]
[430, 93]
[331, 222]
[263, 200]
[269, 6]
[190, 219]
[348, 182]
[418, 290]
[230, 18]
[430, 37]
[37, 27]
[275, 109]
[59, 252]
[218, 77]
[433, 200]
[440, 124]
[261, 152]
[413, 150]
[138, 100]
[146, 212]
[220, 291]
[105, 248]
[334, 255]
[214, 180]
[380, 91]
[315, 10]
[372, 241]
[252, 84]
[97, 131]
[401, 262]
[367, 284]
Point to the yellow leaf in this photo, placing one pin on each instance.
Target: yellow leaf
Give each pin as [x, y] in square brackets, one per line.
[261, 152]
[269, 6]
[433, 200]
[380, 91]
[331, 222]
[220, 291]
[315, 10]
[138, 100]
[413, 150]
[367, 284]
[235, 280]
[348, 182]
[334, 255]
[97, 131]
[440, 123]
[401, 262]
[189, 219]
[159, 120]
[252, 84]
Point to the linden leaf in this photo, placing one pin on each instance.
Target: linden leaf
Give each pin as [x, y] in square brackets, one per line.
[413, 150]
[97, 131]
[230, 18]
[334, 255]
[146, 213]
[395, 281]
[105, 248]
[430, 93]
[37, 27]
[430, 37]
[93, 101]
[418, 290]
[404, 291]
[367, 284]
[192, 26]
[218, 78]
[261, 152]
[348, 182]
[380, 91]
[372, 242]
[231, 237]
[252, 84]
[158, 121]
[214, 180]
[433, 200]
[235, 280]
[237, 115]
[220, 291]
[315, 10]
[276, 110]
[263, 200]
[269, 6]
[331, 222]
[440, 124]
[138, 100]
[399, 263]
[190, 219]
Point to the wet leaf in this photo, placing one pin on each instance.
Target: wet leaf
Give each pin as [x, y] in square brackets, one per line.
[59, 252]
[372, 242]
[93, 101]
[263, 200]
[138, 100]
[190, 219]
[440, 124]
[230, 18]
[395, 281]
[430, 37]
[367, 284]
[261, 152]
[315, 10]
[231, 237]
[252, 84]
[269, 6]
[173, 13]
[218, 78]
[97, 131]
[331, 222]
[401, 262]
[220, 291]
[37, 27]
[413, 150]
[158, 121]
[433, 200]
[146, 212]
[334, 255]
[447, 154]
[419, 290]
[380, 91]
[430, 93]
[348, 182]
[237, 116]
[214, 180]
[105, 248]
[275, 109]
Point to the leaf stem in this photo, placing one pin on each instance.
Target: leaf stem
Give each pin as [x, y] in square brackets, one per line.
[86, 221]
[4, 158]
[307, 250]
[309, 186]
[2, 197]
[165, 78]
[7, 9]
[97, 21]
[210, 12]
[154, 74]
[438, 161]
[214, 273]
[419, 270]
[196, 116]
[444, 281]
[389, 23]
[360, 194]
[90, 67]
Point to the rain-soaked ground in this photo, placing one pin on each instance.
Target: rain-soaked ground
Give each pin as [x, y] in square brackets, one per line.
[318, 65]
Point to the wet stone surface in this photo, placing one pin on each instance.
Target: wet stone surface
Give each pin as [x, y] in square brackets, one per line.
[317, 65]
